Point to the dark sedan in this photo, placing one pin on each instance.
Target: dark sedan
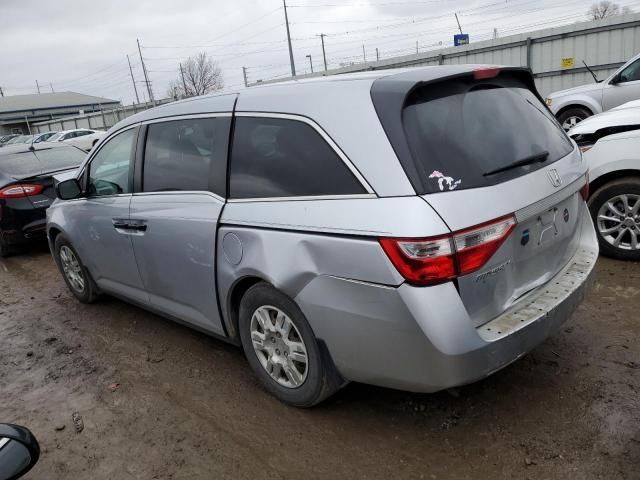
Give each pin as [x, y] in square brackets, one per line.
[27, 188]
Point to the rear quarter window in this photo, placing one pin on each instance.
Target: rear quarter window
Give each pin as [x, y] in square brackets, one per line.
[276, 157]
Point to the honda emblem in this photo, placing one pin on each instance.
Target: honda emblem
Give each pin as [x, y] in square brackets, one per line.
[554, 177]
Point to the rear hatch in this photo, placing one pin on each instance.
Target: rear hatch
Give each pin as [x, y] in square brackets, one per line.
[482, 149]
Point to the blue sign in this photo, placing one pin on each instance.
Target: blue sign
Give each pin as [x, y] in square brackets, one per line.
[461, 39]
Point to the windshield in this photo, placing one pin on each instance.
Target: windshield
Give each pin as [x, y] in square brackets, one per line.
[55, 137]
[480, 134]
[43, 137]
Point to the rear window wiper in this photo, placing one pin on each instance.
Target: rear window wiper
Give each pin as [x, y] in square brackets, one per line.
[536, 158]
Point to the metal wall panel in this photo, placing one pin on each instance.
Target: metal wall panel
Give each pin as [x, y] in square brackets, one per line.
[603, 44]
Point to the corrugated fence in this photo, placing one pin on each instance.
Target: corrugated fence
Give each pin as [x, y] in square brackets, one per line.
[102, 120]
[555, 55]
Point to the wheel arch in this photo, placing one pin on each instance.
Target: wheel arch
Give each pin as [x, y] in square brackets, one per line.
[602, 180]
[234, 297]
[582, 105]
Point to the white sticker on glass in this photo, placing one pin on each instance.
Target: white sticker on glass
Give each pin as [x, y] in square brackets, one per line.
[451, 184]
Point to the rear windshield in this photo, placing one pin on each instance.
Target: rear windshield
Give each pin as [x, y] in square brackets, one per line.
[468, 134]
[26, 164]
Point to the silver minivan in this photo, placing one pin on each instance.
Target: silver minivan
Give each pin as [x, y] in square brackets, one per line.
[416, 229]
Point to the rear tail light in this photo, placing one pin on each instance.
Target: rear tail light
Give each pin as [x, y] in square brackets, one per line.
[584, 191]
[21, 190]
[430, 261]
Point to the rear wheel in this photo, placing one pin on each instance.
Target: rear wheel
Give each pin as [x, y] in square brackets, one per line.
[571, 117]
[282, 349]
[615, 209]
[74, 272]
[4, 247]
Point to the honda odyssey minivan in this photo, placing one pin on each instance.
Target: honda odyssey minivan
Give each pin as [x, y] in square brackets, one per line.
[416, 229]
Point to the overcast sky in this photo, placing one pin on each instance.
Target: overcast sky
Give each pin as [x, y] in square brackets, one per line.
[81, 46]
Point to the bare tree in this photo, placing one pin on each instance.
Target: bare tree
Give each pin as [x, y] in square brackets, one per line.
[200, 75]
[606, 8]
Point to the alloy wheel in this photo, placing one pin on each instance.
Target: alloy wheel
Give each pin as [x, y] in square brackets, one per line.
[72, 268]
[618, 221]
[279, 346]
[571, 122]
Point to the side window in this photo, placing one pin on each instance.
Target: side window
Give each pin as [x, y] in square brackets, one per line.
[631, 73]
[82, 133]
[183, 155]
[273, 157]
[109, 169]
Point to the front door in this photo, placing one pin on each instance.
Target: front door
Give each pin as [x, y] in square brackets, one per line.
[103, 238]
[625, 90]
[176, 208]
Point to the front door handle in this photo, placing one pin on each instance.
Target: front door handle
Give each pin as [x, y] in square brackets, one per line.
[138, 225]
[129, 226]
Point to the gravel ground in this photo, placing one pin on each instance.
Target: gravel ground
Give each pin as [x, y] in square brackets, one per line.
[114, 392]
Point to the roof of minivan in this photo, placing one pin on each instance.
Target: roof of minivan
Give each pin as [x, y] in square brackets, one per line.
[341, 105]
[317, 85]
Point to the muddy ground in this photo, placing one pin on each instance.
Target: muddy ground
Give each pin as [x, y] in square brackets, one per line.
[156, 400]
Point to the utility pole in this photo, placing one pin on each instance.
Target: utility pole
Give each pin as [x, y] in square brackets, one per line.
[377, 55]
[364, 54]
[459, 27]
[310, 62]
[417, 51]
[286, 21]
[135, 89]
[244, 75]
[324, 56]
[51, 85]
[38, 86]
[146, 77]
[1, 92]
[495, 33]
[184, 83]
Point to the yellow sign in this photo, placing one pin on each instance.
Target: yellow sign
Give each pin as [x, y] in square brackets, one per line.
[568, 62]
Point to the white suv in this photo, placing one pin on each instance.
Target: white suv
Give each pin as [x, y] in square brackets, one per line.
[610, 143]
[575, 104]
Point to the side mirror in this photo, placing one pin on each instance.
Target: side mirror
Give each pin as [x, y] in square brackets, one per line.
[616, 80]
[68, 190]
[19, 451]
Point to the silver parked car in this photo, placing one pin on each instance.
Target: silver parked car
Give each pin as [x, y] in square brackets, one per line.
[575, 104]
[415, 229]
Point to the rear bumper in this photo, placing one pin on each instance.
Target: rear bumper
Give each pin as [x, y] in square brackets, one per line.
[421, 339]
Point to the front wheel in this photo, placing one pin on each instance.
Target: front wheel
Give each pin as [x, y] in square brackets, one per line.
[75, 274]
[571, 117]
[615, 209]
[282, 349]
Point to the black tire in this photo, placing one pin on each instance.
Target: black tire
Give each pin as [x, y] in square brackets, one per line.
[578, 113]
[90, 292]
[608, 191]
[5, 250]
[322, 379]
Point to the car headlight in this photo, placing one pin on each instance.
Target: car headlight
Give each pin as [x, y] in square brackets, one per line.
[548, 101]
